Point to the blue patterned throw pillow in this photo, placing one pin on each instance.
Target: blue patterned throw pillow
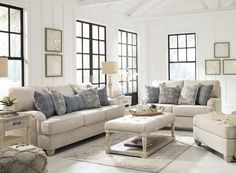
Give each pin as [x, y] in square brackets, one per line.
[90, 98]
[43, 103]
[102, 93]
[58, 102]
[74, 103]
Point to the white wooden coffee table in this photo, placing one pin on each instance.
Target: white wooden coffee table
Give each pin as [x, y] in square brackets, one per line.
[144, 127]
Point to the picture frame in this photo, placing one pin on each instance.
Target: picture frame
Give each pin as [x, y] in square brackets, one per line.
[53, 65]
[53, 40]
[212, 67]
[229, 67]
[221, 49]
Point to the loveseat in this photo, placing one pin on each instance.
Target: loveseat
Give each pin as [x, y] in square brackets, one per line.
[58, 131]
[185, 113]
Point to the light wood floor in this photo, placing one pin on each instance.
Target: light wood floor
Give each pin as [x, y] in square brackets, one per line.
[194, 160]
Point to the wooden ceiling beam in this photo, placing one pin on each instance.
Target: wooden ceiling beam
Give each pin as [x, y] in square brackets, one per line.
[136, 7]
[204, 4]
[83, 3]
[183, 13]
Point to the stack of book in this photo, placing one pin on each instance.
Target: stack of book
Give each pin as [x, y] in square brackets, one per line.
[137, 142]
[5, 114]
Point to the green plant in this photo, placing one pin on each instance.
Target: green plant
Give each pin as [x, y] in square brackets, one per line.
[8, 101]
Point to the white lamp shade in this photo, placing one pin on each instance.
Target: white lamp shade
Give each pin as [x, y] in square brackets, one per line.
[109, 67]
[3, 67]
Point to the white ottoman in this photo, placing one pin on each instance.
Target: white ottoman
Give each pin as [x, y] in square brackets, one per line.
[216, 135]
[143, 127]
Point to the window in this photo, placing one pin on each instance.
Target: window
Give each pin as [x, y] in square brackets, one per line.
[182, 56]
[91, 52]
[11, 46]
[128, 64]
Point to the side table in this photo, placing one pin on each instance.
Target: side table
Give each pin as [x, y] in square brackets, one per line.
[11, 123]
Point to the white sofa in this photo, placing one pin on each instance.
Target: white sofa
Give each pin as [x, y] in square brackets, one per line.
[58, 131]
[185, 113]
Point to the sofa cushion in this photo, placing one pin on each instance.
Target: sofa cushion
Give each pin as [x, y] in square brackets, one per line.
[205, 123]
[188, 95]
[92, 116]
[24, 96]
[90, 98]
[80, 86]
[60, 124]
[65, 90]
[191, 110]
[113, 111]
[169, 94]
[43, 103]
[203, 95]
[167, 107]
[102, 93]
[74, 103]
[152, 93]
[58, 102]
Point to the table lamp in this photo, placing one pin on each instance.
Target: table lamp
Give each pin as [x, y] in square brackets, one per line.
[109, 68]
[3, 66]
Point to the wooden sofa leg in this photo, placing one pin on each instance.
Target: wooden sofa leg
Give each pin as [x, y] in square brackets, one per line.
[198, 143]
[228, 158]
[50, 152]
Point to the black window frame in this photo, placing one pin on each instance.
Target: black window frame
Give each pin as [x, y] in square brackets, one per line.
[21, 33]
[90, 54]
[127, 57]
[178, 48]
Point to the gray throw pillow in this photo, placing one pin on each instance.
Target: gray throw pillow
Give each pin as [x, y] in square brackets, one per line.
[58, 102]
[152, 94]
[188, 95]
[43, 103]
[169, 94]
[74, 103]
[204, 93]
[102, 93]
[90, 98]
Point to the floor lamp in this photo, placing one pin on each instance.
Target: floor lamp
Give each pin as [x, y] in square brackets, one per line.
[109, 68]
[3, 66]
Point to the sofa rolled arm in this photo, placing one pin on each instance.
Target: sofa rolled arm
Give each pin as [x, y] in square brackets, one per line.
[215, 103]
[113, 101]
[36, 118]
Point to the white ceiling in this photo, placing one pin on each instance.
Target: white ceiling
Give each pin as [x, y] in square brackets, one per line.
[145, 9]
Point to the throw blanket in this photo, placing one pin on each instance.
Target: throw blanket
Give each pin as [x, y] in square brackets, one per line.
[225, 118]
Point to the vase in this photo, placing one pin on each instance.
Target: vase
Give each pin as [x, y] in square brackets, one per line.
[9, 108]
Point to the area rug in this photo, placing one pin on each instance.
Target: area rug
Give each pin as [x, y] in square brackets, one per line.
[93, 152]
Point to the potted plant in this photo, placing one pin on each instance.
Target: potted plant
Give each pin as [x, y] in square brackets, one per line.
[8, 103]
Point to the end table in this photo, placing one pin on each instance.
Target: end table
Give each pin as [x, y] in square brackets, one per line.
[11, 123]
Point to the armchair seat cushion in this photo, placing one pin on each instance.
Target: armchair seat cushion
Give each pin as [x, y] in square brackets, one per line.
[60, 124]
[191, 110]
[218, 128]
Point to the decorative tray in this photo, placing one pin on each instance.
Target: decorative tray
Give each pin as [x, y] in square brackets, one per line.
[147, 113]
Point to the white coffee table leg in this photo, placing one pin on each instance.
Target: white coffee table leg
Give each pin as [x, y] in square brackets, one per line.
[107, 141]
[144, 144]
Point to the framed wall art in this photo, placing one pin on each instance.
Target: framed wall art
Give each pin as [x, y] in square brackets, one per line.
[53, 40]
[229, 67]
[53, 65]
[212, 67]
[222, 50]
